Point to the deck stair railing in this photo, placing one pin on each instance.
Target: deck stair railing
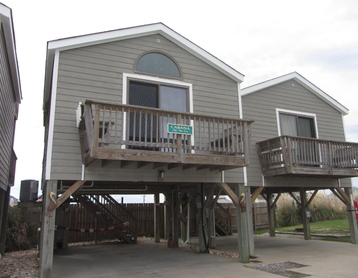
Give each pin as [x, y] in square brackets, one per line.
[111, 214]
[223, 224]
[294, 153]
[114, 128]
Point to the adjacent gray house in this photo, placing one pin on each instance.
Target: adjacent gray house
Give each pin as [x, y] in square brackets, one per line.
[140, 110]
[298, 143]
[10, 97]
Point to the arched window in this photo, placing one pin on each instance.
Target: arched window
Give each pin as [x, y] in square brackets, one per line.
[157, 64]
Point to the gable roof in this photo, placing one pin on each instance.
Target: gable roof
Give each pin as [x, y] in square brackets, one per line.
[300, 80]
[6, 22]
[128, 33]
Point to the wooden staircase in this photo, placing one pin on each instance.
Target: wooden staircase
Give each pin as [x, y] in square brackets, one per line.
[223, 225]
[111, 214]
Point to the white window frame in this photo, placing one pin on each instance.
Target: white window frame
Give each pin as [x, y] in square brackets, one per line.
[165, 81]
[296, 113]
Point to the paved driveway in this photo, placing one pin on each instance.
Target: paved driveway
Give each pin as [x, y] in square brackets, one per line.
[149, 259]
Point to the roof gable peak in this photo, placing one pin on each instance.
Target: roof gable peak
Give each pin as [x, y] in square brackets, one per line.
[300, 80]
[144, 30]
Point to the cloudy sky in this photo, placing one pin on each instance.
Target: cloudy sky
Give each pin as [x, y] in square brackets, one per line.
[261, 39]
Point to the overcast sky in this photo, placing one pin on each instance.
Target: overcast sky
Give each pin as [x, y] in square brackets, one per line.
[260, 39]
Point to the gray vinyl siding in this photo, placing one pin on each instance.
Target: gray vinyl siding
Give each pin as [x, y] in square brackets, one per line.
[261, 107]
[7, 114]
[96, 73]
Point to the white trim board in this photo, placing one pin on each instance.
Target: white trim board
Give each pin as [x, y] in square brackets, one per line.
[300, 80]
[6, 21]
[51, 125]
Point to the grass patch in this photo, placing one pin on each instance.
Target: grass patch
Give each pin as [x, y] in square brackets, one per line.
[328, 227]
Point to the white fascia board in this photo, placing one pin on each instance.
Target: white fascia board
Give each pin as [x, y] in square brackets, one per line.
[302, 81]
[7, 23]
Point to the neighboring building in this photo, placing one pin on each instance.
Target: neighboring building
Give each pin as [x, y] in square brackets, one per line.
[155, 114]
[10, 97]
[298, 140]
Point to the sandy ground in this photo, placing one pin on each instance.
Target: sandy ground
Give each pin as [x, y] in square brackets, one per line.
[19, 264]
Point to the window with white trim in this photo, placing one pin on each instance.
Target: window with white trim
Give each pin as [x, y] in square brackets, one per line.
[297, 125]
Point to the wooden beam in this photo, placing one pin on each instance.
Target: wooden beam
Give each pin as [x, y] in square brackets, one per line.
[232, 195]
[55, 203]
[352, 220]
[216, 198]
[106, 162]
[158, 165]
[202, 167]
[343, 194]
[175, 218]
[312, 197]
[242, 229]
[338, 196]
[125, 163]
[256, 194]
[276, 199]
[305, 217]
[209, 198]
[188, 166]
[173, 165]
[201, 219]
[141, 164]
[156, 218]
[271, 214]
[294, 197]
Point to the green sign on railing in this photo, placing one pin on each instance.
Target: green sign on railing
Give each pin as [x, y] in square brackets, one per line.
[180, 129]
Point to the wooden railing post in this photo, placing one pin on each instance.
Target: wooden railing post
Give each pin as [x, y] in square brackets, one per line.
[179, 141]
[96, 128]
[246, 136]
[88, 118]
[329, 157]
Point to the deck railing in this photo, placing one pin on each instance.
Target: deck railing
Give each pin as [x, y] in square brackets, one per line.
[297, 152]
[128, 127]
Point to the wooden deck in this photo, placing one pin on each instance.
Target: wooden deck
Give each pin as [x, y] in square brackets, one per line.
[134, 134]
[287, 155]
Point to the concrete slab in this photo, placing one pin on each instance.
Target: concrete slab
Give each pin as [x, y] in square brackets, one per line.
[149, 259]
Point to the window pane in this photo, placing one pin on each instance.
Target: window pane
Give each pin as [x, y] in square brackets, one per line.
[143, 94]
[306, 127]
[159, 64]
[172, 98]
[143, 128]
[288, 125]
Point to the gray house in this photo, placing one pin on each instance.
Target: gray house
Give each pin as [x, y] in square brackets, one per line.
[140, 110]
[298, 143]
[10, 97]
